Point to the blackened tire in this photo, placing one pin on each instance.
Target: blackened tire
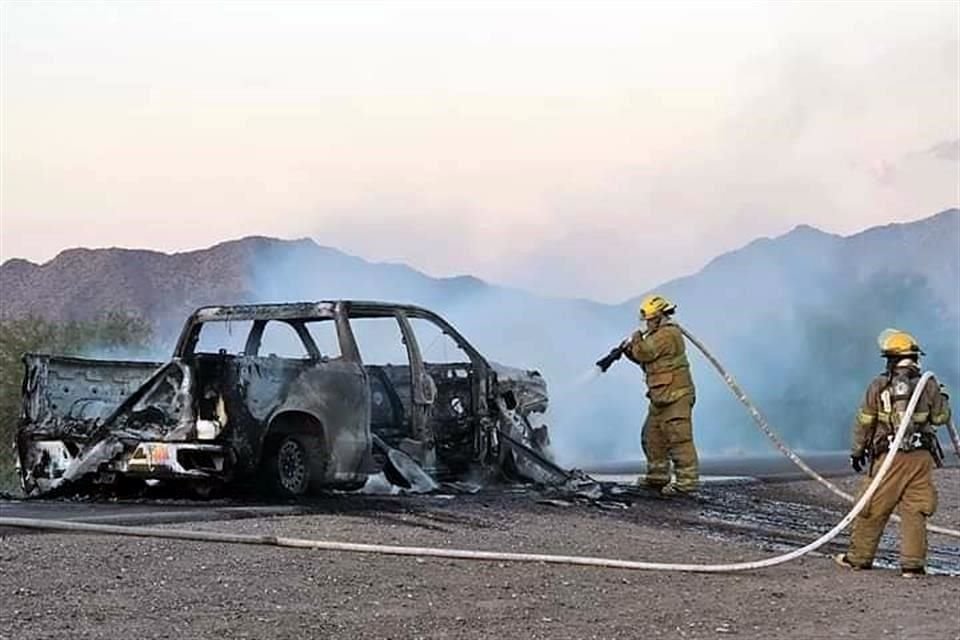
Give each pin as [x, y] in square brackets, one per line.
[295, 465]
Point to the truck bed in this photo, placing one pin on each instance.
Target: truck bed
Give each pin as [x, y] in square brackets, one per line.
[67, 396]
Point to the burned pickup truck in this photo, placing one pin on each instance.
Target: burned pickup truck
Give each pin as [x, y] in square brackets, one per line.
[292, 398]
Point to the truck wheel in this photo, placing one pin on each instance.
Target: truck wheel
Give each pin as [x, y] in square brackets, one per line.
[295, 465]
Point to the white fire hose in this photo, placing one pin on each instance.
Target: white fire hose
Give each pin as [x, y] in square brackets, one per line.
[787, 451]
[461, 554]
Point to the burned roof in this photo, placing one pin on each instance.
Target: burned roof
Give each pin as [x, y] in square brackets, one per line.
[277, 311]
[320, 310]
[306, 312]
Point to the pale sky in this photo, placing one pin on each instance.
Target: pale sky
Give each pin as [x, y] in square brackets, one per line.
[577, 149]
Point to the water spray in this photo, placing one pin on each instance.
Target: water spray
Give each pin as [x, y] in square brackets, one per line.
[587, 376]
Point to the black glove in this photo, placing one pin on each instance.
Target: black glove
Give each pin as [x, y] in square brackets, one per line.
[858, 460]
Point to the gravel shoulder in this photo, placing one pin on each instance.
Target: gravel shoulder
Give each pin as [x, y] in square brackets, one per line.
[81, 586]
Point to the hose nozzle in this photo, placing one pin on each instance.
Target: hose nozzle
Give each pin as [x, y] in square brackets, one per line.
[615, 354]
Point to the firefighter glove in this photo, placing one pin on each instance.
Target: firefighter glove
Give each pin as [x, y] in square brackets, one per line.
[858, 460]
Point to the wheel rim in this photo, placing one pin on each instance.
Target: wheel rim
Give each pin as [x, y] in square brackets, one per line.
[292, 465]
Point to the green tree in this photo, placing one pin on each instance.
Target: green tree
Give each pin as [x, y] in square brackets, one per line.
[111, 332]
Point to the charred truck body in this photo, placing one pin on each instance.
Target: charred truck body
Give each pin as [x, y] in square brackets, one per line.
[226, 410]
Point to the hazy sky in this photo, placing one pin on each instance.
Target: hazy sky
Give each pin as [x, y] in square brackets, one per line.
[582, 149]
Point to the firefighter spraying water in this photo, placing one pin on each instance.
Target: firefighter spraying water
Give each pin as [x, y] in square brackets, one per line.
[667, 434]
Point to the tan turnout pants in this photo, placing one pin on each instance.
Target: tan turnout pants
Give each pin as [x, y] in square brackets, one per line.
[667, 437]
[909, 485]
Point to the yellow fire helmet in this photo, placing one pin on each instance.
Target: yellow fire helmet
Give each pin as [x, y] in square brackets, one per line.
[655, 305]
[896, 343]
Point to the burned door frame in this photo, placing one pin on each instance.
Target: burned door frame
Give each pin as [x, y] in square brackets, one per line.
[481, 367]
[480, 379]
[424, 392]
[419, 441]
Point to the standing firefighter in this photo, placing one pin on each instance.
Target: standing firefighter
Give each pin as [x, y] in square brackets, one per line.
[667, 434]
[909, 482]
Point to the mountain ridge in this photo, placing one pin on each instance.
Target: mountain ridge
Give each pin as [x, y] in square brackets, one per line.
[15, 267]
[942, 228]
